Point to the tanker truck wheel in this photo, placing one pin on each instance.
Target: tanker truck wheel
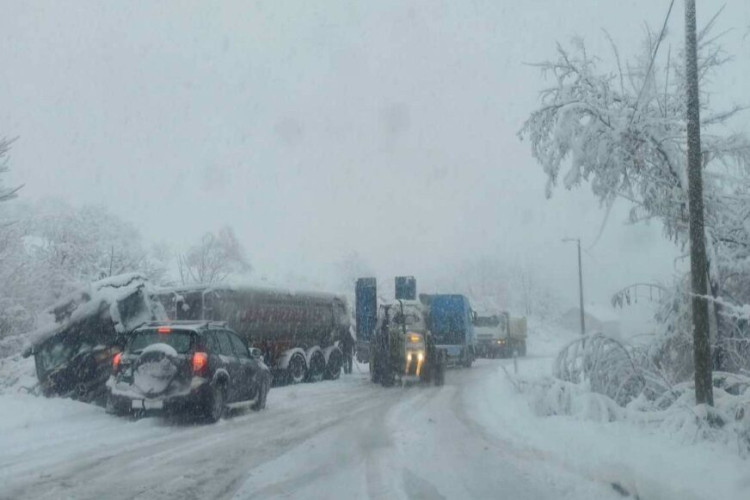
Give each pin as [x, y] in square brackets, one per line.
[297, 369]
[335, 362]
[316, 367]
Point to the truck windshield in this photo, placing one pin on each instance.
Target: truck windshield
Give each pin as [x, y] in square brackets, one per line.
[180, 340]
[487, 321]
[409, 319]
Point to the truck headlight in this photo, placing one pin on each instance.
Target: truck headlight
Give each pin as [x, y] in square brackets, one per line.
[420, 356]
[408, 357]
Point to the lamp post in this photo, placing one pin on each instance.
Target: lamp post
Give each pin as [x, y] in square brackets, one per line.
[580, 282]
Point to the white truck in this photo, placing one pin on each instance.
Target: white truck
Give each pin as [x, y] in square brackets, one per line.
[500, 335]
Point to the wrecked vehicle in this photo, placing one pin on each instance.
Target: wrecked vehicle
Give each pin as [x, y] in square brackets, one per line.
[73, 356]
[187, 367]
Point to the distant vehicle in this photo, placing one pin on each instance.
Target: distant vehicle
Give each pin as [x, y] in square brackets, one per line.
[303, 336]
[450, 321]
[73, 356]
[500, 335]
[402, 348]
[200, 368]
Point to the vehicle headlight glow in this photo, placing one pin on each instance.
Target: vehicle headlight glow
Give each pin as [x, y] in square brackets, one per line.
[420, 356]
[408, 357]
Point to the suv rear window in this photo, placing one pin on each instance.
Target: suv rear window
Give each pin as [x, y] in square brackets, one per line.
[180, 340]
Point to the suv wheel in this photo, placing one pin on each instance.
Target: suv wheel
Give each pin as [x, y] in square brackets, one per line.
[215, 403]
[115, 407]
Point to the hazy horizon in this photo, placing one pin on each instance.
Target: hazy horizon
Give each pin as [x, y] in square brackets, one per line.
[387, 129]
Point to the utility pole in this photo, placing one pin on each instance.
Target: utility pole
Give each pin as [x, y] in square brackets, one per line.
[698, 262]
[580, 283]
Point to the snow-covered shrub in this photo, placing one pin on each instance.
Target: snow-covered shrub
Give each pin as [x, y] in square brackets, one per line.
[17, 374]
[14, 318]
[671, 350]
[608, 366]
[552, 396]
[673, 412]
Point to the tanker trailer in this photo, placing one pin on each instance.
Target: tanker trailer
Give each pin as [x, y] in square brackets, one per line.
[301, 334]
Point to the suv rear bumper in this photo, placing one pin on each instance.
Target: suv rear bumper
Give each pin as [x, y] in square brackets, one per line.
[123, 403]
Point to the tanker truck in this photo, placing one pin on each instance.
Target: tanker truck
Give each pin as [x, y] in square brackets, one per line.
[303, 335]
[402, 348]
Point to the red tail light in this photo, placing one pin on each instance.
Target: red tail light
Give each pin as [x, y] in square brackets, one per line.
[200, 363]
[116, 362]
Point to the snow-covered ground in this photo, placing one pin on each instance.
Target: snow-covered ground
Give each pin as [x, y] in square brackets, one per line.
[476, 437]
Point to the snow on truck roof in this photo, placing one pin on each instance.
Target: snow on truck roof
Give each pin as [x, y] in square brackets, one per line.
[249, 288]
[89, 300]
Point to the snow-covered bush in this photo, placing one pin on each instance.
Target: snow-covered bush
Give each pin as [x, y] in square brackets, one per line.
[673, 411]
[610, 367]
[14, 317]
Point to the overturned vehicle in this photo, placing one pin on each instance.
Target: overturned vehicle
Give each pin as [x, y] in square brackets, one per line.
[73, 356]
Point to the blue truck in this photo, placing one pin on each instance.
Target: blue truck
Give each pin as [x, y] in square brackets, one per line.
[366, 311]
[450, 322]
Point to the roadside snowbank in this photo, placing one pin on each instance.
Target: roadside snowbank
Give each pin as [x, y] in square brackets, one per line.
[655, 455]
[18, 375]
[654, 462]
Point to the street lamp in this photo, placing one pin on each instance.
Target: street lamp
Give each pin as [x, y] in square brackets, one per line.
[580, 281]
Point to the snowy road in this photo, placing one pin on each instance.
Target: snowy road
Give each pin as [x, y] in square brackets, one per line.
[342, 439]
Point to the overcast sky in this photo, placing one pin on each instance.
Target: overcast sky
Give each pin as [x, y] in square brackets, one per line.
[316, 129]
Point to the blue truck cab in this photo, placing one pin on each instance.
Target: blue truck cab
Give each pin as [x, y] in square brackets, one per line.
[450, 321]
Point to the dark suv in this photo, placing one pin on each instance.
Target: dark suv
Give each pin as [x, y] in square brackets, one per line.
[187, 367]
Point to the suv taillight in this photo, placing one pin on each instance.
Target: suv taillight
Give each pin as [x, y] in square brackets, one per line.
[116, 361]
[200, 363]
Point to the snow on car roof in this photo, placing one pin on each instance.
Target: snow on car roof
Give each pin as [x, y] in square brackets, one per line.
[181, 324]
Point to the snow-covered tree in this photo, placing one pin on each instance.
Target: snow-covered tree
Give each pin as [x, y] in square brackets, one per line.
[624, 132]
[6, 193]
[13, 315]
[75, 245]
[213, 259]
[52, 247]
